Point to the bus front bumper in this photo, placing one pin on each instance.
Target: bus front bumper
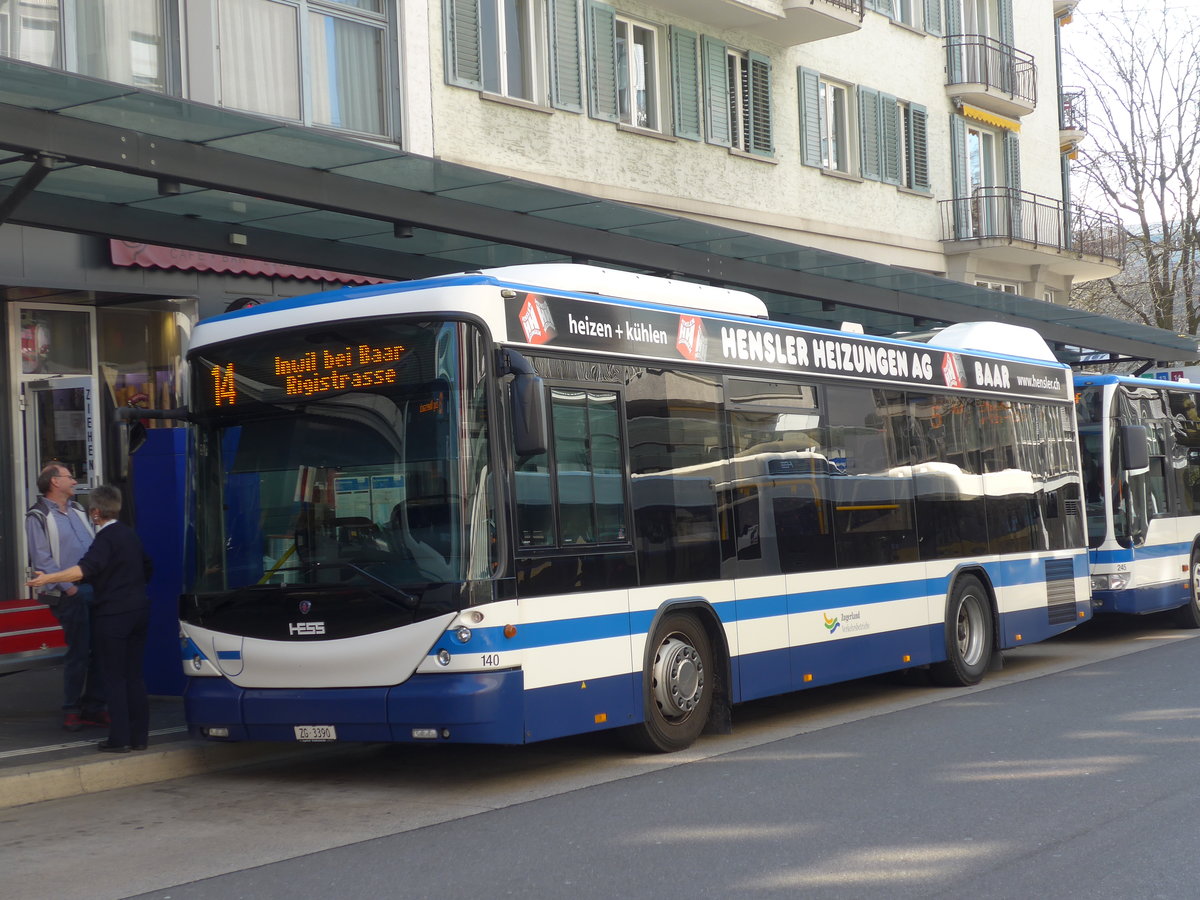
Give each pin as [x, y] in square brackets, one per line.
[455, 708]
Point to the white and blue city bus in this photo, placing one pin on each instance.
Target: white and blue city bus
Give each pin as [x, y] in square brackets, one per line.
[511, 505]
[1140, 441]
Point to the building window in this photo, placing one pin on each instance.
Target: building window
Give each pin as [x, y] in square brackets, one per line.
[749, 101]
[834, 125]
[116, 40]
[903, 11]
[1002, 286]
[525, 49]
[316, 63]
[512, 37]
[637, 74]
[826, 125]
[986, 172]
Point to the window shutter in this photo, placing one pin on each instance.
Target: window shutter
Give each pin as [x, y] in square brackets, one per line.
[1012, 162]
[918, 147]
[461, 40]
[717, 125]
[810, 117]
[566, 85]
[958, 174]
[1004, 12]
[954, 47]
[602, 61]
[760, 105]
[868, 129]
[933, 16]
[685, 83]
[889, 140]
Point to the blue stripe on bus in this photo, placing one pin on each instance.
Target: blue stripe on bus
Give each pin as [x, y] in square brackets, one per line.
[1006, 573]
[1145, 551]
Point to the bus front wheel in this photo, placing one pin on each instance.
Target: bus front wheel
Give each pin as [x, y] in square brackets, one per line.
[1189, 614]
[969, 638]
[677, 686]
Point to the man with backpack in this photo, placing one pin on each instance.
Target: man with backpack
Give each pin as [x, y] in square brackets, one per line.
[59, 533]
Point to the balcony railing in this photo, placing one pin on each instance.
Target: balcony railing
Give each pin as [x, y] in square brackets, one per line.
[854, 6]
[1019, 216]
[977, 59]
[1074, 109]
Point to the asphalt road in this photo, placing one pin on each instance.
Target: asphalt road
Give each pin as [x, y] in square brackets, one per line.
[1074, 772]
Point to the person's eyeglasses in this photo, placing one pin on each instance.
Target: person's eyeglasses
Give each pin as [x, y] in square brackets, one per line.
[60, 475]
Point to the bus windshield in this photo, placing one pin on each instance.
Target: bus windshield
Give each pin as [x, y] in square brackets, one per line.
[345, 455]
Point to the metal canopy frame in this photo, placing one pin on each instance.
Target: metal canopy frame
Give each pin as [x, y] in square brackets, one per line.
[97, 158]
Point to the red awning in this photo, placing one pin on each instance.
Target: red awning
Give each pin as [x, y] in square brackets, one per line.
[152, 256]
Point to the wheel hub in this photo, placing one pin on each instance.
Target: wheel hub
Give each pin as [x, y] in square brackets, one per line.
[678, 677]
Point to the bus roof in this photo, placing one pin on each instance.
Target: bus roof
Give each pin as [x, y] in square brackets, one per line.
[606, 312]
[1082, 380]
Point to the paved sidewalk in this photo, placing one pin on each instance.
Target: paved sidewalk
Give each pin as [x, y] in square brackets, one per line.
[39, 760]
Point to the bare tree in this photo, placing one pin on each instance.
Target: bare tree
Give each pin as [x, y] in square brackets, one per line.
[1141, 155]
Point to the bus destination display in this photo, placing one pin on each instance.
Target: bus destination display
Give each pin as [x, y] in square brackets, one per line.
[309, 374]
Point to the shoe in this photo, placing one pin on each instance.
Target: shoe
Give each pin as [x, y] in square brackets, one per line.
[137, 747]
[108, 747]
[73, 722]
[99, 718]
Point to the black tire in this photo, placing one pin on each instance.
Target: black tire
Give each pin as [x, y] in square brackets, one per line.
[1188, 615]
[677, 691]
[969, 635]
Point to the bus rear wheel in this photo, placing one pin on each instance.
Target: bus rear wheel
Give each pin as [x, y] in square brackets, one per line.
[1188, 615]
[677, 690]
[969, 638]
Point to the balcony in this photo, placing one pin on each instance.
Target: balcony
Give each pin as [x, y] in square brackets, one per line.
[993, 76]
[784, 22]
[1072, 126]
[1002, 225]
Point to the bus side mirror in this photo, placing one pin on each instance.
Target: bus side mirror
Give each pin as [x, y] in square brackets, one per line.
[528, 403]
[530, 423]
[1135, 449]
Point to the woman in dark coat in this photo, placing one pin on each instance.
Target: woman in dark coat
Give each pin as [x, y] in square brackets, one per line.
[118, 569]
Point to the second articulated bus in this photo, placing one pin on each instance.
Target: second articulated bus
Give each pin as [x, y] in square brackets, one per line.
[1141, 456]
[517, 504]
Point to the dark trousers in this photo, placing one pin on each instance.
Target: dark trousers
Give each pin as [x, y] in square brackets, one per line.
[83, 690]
[120, 642]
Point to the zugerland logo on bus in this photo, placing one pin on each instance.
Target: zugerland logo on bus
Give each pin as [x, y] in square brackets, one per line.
[847, 622]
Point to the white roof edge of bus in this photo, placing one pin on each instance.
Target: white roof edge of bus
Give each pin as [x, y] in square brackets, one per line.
[995, 337]
[621, 285]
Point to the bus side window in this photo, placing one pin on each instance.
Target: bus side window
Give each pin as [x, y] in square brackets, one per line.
[1186, 459]
[1157, 501]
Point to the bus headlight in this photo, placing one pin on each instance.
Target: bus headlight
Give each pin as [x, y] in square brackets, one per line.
[463, 634]
[443, 657]
[1115, 581]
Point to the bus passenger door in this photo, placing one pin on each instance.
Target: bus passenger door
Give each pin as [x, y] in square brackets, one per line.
[763, 629]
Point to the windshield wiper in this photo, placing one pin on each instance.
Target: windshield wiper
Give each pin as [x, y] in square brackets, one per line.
[403, 598]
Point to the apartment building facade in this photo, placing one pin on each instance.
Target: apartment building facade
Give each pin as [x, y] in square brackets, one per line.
[925, 134]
